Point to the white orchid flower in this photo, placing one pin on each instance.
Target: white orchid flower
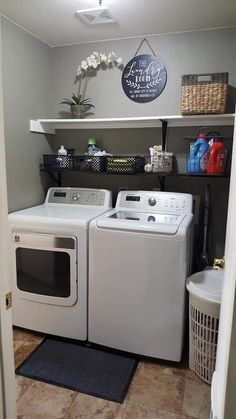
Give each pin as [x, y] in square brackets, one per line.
[103, 58]
[84, 65]
[119, 61]
[87, 66]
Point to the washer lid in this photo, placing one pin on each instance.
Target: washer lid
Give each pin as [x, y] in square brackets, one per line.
[207, 285]
[53, 215]
[141, 221]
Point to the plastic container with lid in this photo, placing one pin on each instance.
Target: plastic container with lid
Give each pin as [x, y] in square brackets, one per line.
[91, 146]
[197, 161]
[62, 151]
[205, 291]
[217, 157]
[207, 285]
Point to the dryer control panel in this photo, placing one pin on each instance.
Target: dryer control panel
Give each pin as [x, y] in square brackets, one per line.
[157, 202]
[79, 196]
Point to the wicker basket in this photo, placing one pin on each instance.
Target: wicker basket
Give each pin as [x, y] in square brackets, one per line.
[204, 93]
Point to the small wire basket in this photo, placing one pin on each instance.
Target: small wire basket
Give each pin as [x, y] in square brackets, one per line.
[54, 163]
[125, 164]
[162, 162]
[89, 163]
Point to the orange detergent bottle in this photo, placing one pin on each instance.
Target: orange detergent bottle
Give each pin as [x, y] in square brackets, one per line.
[217, 157]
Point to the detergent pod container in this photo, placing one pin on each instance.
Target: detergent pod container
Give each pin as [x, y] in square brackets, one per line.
[197, 161]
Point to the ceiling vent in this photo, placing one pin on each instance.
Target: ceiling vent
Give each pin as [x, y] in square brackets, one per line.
[96, 16]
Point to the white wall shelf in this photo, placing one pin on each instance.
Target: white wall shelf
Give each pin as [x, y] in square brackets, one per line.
[49, 126]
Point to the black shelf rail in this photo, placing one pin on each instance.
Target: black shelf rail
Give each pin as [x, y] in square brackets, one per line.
[56, 175]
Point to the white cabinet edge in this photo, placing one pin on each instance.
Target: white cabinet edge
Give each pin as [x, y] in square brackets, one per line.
[48, 126]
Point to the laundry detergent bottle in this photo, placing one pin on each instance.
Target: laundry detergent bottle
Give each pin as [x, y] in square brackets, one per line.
[197, 161]
[217, 157]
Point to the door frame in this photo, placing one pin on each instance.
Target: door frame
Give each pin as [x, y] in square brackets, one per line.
[7, 376]
[228, 305]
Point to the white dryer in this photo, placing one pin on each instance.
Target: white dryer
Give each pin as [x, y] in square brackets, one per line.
[49, 258]
[139, 259]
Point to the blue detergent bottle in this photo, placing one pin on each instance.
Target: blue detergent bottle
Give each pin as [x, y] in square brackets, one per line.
[197, 160]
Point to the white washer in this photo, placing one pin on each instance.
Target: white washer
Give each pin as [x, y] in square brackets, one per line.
[139, 259]
[49, 257]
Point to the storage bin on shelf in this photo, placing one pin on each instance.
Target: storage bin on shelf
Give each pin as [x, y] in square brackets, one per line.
[125, 164]
[205, 289]
[73, 162]
[89, 163]
[204, 93]
[53, 163]
[162, 162]
[159, 161]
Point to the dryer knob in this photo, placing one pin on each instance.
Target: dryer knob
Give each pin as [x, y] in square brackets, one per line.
[75, 196]
[152, 201]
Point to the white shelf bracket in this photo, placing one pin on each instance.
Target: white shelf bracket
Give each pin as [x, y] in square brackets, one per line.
[41, 127]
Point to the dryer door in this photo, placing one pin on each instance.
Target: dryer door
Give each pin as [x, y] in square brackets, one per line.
[45, 268]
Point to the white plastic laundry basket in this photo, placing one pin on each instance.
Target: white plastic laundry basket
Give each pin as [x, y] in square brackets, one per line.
[205, 290]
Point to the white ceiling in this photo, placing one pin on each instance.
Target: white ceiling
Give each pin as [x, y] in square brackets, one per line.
[55, 22]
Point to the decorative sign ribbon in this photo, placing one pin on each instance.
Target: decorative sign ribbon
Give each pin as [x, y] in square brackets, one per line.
[144, 77]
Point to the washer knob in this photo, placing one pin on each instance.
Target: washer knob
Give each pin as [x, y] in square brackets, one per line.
[152, 201]
[75, 196]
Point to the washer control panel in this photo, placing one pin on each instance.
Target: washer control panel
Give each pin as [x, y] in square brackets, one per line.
[145, 217]
[164, 202]
[78, 196]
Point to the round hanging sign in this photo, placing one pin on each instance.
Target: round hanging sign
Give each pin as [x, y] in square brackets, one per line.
[144, 78]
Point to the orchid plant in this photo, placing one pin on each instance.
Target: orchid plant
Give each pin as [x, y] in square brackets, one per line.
[86, 68]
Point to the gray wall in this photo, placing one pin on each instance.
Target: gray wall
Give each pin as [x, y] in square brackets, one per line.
[27, 91]
[183, 53]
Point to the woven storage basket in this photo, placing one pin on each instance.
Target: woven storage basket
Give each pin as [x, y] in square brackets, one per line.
[203, 93]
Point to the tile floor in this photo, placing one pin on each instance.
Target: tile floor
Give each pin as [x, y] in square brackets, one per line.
[158, 391]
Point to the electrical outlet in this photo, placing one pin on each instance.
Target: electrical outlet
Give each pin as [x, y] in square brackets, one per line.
[196, 208]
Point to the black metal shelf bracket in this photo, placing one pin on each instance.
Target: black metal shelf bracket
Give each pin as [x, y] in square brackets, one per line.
[56, 179]
[164, 126]
[162, 182]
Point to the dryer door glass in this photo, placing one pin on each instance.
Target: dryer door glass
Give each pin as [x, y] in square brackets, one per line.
[43, 272]
[46, 268]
